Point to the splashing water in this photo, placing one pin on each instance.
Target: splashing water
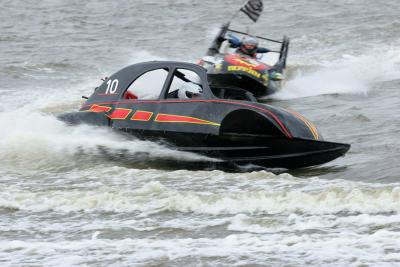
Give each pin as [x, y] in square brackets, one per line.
[348, 75]
[40, 141]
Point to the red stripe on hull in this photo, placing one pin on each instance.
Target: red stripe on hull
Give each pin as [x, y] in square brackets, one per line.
[142, 116]
[120, 114]
[184, 119]
[98, 108]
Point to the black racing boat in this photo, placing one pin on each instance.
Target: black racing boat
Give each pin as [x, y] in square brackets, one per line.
[227, 67]
[152, 101]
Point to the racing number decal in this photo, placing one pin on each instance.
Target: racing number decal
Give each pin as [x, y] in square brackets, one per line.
[112, 86]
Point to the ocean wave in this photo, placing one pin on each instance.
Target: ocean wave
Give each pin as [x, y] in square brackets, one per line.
[154, 197]
[234, 249]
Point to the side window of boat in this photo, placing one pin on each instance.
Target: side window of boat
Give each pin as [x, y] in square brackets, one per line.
[186, 84]
[147, 86]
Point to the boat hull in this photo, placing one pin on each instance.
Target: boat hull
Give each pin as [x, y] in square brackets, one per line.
[244, 149]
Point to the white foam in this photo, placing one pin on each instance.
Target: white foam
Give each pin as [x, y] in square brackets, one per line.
[360, 224]
[155, 197]
[347, 75]
[330, 200]
[339, 249]
[37, 140]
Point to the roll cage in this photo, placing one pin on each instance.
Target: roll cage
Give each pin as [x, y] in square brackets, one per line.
[130, 74]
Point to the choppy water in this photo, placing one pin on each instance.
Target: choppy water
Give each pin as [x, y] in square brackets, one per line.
[70, 197]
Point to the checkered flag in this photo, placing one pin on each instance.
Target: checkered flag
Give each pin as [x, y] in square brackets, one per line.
[253, 9]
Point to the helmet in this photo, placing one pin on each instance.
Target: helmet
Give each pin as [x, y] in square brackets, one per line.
[249, 45]
[189, 90]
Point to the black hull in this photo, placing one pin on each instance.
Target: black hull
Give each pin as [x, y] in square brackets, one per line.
[245, 149]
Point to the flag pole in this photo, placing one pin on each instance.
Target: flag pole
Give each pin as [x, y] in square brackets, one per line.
[233, 16]
[236, 13]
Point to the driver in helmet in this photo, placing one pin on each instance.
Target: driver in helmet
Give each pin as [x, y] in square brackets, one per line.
[189, 90]
[248, 46]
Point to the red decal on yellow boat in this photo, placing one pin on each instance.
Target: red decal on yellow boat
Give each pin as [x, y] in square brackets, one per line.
[182, 119]
[245, 62]
[142, 115]
[98, 108]
[120, 114]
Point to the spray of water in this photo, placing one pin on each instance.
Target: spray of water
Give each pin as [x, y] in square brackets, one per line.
[347, 75]
[40, 141]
